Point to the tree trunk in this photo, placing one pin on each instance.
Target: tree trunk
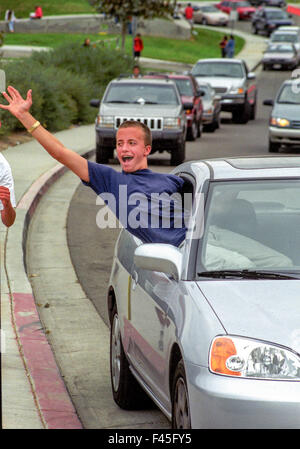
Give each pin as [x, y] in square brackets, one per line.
[124, 26]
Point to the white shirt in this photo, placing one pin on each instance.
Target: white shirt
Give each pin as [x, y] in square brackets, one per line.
[6, 180]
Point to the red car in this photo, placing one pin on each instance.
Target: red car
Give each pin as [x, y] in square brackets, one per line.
[191, 99]
[243, 8]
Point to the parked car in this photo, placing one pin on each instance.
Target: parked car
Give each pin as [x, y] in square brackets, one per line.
[267, 19]
[155, 102]
[284, 123]
[276, 3]
[211, 117]
[279, 56]
[243, 7]
[231, 79]
[210, 331]
[210, 15]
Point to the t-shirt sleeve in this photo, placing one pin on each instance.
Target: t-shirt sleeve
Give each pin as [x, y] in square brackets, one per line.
[6, 180]
[100, 177]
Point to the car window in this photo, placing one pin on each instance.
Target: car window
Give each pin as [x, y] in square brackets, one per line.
[242, 4]
[282, 48]
[284, 37]
[218, 69]
[273, 15]
[209, 9]
[184, 86]
[251, 225]
[288, 94]
[140, 93]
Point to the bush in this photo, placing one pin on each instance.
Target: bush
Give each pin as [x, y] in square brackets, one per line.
[63, 81]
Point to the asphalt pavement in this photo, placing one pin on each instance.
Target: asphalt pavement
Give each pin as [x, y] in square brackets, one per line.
[46, 319]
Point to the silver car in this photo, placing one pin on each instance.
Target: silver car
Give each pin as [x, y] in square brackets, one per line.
[211, 108]
[284, 122]
[210, 330]
[231, 79]
[280, 56]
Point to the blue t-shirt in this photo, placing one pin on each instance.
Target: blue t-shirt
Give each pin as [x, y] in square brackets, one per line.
[147, 204]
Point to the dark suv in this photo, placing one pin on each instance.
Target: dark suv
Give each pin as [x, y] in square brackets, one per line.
[155, 102]
[191, 100]
[267, 19]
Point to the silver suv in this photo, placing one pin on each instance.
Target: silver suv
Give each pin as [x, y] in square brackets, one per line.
[231, 79]
[155, 102]
[284, 123]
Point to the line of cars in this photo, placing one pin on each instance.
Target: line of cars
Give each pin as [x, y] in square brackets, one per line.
[176, 107]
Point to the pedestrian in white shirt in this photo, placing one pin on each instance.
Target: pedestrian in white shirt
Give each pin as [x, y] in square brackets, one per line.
[10, 18]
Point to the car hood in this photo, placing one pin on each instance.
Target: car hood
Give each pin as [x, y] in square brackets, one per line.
[262, 309]
[280, 21]
[216, 15]
[278, 55]
[137, 110]
[220, 81]
[288, 111]
[245, 9]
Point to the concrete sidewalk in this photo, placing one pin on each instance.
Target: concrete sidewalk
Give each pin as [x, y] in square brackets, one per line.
[34, 395]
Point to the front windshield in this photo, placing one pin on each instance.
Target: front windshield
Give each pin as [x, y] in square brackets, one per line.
[284, 38]
[226, 69]
[289, 93]
[281, 48]
[251, 225]
[277, 15]
[184, 87]
[141, 94]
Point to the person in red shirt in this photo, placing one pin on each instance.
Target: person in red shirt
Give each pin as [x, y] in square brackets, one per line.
[189, 12]
[138, 46]
[37, 14]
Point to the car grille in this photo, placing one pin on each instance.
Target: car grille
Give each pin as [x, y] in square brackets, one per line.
[152, 123]
[295, 124]
[220, 90]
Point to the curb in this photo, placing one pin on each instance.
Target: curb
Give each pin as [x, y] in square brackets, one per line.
[51, 398]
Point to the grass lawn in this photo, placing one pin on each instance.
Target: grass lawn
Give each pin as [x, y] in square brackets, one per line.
[22, 8]
[204, 44]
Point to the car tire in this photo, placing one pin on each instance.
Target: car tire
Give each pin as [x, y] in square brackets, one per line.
[217, 122]
[199, 128]
[204, 21]
[127, 393]
[192, 133]
[103, 154]
[253, 108]
[178, 155]
[254, 30]
[181, 418]
[273, 147]
[242, 114]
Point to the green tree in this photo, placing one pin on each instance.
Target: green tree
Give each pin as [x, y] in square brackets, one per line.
[125, 9]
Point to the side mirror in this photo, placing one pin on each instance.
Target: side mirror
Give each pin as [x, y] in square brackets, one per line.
[200, 93]
[95, 103]
[268, 102]
[251, 76]
[159, 257]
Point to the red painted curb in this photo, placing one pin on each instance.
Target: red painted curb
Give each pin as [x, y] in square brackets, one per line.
[53, 399]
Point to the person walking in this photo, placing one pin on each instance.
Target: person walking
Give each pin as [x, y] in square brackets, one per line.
[138, 46]
[230, 47]
[10, 18]
[222, 45]
[189, 13]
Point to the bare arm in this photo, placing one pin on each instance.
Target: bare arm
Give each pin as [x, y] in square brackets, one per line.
[20, 109]
[8, 213]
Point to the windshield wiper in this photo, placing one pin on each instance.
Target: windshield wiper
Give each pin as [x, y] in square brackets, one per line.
[146, 102]
[246, 274]
[118, 101]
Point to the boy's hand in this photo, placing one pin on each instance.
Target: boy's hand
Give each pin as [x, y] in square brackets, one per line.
[5, 196]
[17, 105]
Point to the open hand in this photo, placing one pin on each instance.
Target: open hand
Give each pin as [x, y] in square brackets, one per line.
[17, 105]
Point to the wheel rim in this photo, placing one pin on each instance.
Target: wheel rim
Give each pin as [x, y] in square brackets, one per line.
[115, 353]
[181, 406]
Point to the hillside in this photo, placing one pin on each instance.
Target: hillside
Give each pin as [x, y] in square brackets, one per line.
[22, 8]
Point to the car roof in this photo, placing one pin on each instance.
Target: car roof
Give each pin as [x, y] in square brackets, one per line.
[246, 167]
[142, 80]
[227, 61]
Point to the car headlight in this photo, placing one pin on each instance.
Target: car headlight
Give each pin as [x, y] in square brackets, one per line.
[248, 358]
[106, 121]
[281, 122]
[237, 90]
[208, 111]
[172, 122]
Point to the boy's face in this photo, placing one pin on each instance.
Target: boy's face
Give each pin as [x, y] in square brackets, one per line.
[131, 149]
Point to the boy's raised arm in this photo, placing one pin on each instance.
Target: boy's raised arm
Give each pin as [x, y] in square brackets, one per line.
[19, 107]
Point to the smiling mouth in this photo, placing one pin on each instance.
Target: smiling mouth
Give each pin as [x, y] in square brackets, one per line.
[127, 158]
